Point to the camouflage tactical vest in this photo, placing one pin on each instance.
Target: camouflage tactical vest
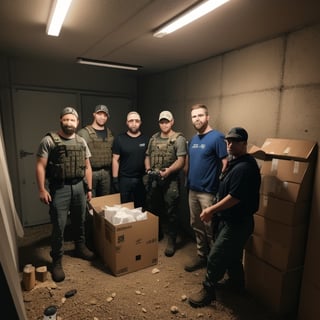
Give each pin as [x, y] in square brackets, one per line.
[66, 161]
[163, 152]
[101, 150]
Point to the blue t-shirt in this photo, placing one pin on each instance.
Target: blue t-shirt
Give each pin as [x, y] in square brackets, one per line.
[205, 153]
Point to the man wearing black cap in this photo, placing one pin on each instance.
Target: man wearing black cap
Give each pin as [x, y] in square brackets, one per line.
[63, 160]
[100, 140]
[238, 200]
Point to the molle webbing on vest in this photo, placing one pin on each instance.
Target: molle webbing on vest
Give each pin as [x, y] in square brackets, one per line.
[101, 150]
[66, 161]
[163, 152]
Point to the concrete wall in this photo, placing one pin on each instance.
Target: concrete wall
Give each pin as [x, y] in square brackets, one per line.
[271, 88]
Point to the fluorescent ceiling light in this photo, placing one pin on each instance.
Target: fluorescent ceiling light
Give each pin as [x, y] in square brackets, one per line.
[107, 64]
[189, 16]
[57, 16]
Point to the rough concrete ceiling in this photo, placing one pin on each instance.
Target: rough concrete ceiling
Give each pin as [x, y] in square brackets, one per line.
[121, 30]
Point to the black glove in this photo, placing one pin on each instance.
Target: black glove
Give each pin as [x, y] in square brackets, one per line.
[115, 185]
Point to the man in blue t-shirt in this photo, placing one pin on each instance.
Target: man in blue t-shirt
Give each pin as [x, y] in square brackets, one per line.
[207, 158]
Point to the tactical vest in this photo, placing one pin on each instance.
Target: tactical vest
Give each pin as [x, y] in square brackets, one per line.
[163, 152]
[66, 161]
[101, 150]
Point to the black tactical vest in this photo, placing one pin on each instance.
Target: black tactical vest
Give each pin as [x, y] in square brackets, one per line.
[101, 150]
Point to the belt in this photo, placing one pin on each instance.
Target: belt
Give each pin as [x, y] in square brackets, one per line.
[72, 181]
[107, 168]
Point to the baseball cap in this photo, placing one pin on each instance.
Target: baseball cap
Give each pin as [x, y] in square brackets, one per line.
[166, 115]
[237, 133]
[133, 115]
[69, 110]
[102, 108]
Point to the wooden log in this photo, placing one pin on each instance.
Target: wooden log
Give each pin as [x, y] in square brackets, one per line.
[28, 278]
[41, 273]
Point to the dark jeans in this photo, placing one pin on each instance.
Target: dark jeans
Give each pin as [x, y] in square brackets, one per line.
[132, 189]
[227, 251]
[68, 199]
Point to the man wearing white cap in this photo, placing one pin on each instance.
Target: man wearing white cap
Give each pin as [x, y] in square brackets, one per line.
[166, 155]
[128, 162]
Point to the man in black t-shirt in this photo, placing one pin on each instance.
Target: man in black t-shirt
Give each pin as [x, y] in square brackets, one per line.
[232, 215]
[128, 162]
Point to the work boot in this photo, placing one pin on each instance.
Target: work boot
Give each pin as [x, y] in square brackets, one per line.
[171, 247]
[204, 297]
[83, 252]
[57, 271]
[197, 263]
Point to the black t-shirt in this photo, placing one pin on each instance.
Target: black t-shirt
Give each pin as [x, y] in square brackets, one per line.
[242, 181]
[132, 152]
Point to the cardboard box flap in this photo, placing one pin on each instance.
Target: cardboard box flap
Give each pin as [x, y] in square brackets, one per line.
[300, 150]
[98, 203]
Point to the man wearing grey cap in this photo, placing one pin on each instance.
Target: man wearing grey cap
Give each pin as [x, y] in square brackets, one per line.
[63, 161]
[99, 138]
[165, 157]
[238, 200]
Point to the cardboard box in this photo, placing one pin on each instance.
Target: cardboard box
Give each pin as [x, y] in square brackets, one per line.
[126, 247]
[280, 234]
[285, 170]
[285, 190]
[279, 257]
[282, 211]
[300, 150]
[277, 290]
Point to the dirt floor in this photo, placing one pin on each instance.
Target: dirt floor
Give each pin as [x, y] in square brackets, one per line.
[139, 295]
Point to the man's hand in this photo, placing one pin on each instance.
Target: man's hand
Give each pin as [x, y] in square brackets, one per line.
[45, 197]
[115, 185]
[206, 215]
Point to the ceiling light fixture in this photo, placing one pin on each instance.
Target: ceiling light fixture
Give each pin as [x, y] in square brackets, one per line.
[57, 16]
[189, 16]
[107, 64]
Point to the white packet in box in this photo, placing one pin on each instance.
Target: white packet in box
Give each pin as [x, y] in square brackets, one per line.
[122, 217]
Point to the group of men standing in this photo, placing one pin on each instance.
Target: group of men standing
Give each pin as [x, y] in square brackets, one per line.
[92, 162]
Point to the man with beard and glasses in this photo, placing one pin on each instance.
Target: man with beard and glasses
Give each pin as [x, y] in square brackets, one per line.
[128, 162]
[63, 162]
[207, 158]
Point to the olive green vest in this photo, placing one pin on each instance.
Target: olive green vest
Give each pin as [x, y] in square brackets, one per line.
[66, 161]
[101, 150]
[163, 152]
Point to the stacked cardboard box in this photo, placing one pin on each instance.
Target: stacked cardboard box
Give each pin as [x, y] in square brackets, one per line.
[125, 247]
[274, 256]
[309, 304]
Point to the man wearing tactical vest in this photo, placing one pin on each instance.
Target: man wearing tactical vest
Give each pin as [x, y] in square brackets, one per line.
[165, 157]
[99, 139]
[63, 161]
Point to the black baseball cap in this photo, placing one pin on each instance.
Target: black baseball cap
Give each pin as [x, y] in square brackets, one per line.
[237, 133]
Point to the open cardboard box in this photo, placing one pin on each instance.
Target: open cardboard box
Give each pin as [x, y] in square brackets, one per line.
[125, 247]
